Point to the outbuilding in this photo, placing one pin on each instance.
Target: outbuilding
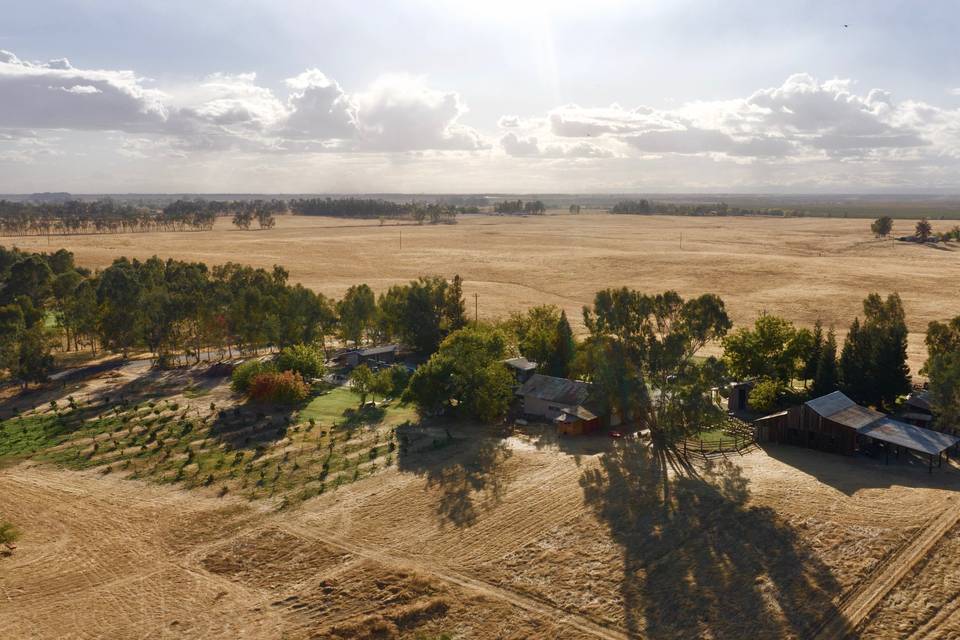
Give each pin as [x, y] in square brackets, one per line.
[382, 355]
[836, 423]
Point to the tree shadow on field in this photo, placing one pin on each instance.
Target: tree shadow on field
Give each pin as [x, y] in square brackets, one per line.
[463, 469]
[366, 416]
[698, 560]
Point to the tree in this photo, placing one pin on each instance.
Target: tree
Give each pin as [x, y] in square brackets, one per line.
[564, 348]
[362, 382]
[242, 218]
[773, 349]
[119, 293]
[12, 326]
[943, 370]
[574, 208]
[882, 226]
[303, 359]
[35, 359]
[382, 383]
[765, 395]
[243, 374]
[826, 379]
[265, 218]
[812, 360]
[923, 230]
[642, 357]
[873, 363]
[357, 312]
[466, 372]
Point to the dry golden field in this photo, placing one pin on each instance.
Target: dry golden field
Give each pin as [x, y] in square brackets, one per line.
[801, 268]
[499, 534]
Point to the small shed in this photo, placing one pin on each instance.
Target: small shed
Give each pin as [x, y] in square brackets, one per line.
[576, 421]
[739, 395]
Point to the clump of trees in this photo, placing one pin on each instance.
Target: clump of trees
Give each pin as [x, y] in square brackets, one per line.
[467, 374]
[535, 207]
[873, 363]
[642, 359]
[642, 206]
[544, 336]
[304, 359]
[882, 226]
[419, 314]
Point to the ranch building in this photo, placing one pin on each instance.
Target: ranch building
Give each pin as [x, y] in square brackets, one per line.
[561, 401]
[836, 423]
[371, 356]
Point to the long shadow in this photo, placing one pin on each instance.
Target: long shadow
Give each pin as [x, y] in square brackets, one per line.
[850, 474]
[464, 467]
[699, 561]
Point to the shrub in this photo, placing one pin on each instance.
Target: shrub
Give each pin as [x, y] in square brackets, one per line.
[765, 395]
[8, 533]
[244, 374]
[287, 387]
[302, 358]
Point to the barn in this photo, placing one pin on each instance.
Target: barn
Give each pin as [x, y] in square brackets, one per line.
[836, 423]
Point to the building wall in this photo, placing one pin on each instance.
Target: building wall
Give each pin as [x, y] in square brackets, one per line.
[536, 407]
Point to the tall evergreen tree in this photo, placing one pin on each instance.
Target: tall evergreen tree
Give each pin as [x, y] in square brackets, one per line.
[564, 348]
[873, 364]
[826, 378]
[812, 362]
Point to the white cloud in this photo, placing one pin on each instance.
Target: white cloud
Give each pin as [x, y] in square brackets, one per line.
[401, 113]
[55, 95]
[319, 108]
[802, 118]
[521, 147]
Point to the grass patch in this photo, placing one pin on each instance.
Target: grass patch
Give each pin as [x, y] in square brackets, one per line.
[341, 406]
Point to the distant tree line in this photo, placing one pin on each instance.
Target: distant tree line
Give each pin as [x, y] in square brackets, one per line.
[368, 208]
[108, 216]
[643, 206]
[535, 207]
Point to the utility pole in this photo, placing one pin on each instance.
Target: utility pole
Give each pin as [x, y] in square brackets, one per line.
[401, 239]
[681, 241]
[476, 309]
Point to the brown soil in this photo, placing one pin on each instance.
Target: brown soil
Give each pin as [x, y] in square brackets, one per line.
[521, 537]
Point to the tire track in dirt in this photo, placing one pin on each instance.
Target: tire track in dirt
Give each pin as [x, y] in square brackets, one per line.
[402, 561]
[938, 622]
[859, 604]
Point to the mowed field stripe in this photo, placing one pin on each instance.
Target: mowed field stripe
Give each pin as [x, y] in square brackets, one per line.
[862, 602]
[531, 605]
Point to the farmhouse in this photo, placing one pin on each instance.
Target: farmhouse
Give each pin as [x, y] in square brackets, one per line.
[836, 423]
[560, 400]
[384, 354]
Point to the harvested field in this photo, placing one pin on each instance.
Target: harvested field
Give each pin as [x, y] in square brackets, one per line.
[486, 537]
[801, 268]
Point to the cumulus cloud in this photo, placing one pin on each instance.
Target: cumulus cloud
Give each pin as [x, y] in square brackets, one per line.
[319, 108]
[803, 117]
[401, 113]
[55, 95]
[508, 122]
[396, 113]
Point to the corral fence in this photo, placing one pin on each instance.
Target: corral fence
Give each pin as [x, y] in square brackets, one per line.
[736, 436]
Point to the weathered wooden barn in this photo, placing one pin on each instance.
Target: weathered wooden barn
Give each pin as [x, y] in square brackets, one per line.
[836, 423]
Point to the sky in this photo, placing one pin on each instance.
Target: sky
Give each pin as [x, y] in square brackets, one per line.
[536, 96]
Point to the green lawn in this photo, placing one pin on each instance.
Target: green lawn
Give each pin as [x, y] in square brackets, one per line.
[340, 406]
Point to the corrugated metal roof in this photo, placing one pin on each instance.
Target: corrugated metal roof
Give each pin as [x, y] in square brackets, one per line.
[838, 408]
[520, 363]
[907, 435]
[375, 351]
[576, 413]
[559, 390]
[778, 414]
